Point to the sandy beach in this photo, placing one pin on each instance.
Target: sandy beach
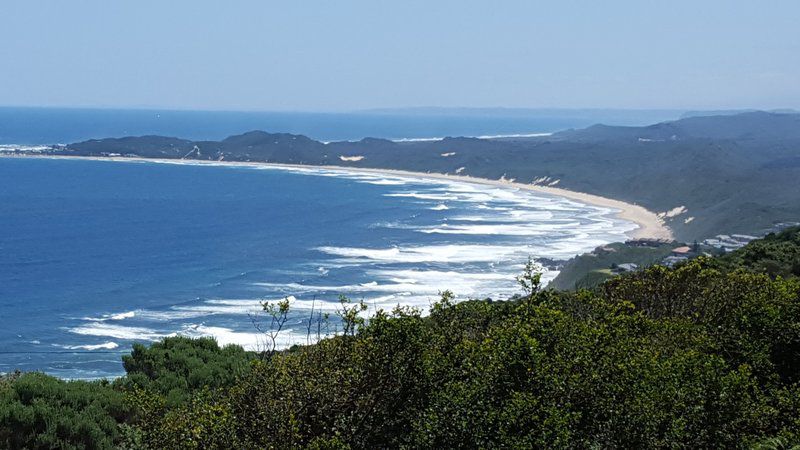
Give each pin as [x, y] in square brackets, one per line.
[650, 226]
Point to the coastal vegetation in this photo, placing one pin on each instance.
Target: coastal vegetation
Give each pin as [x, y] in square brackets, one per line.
[703, 355]
[591, 269]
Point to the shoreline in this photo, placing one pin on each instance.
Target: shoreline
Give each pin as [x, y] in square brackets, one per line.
[650, 226]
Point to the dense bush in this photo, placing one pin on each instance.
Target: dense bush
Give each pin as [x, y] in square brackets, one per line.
[570, 370]
[777, 254]
[703, 355]
[178, 366]
[42, 412]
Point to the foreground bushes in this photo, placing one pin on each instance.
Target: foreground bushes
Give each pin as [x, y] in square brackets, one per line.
[569, 370]
[175, 367]
[39, 411]
[696, 356]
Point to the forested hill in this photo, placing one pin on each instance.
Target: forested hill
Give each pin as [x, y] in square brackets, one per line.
[730, 173]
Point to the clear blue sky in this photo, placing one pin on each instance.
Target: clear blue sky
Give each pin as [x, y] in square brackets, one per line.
[344, 55]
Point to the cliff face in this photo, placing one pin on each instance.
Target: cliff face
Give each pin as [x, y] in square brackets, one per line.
[725, 174]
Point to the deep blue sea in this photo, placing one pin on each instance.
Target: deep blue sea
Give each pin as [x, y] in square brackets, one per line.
[97, 255]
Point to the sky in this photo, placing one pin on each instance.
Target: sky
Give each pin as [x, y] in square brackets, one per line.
[344, 55]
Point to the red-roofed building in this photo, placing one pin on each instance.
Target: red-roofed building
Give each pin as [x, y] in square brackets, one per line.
[681, 251]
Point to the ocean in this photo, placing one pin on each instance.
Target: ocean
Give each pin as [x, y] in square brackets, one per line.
[97, 255]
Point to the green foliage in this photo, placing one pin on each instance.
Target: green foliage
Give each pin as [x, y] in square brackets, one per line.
[205, 421]
[178, 366]
[350, 314]
[279, 314]
[41, 412]
[362, 390]
[753, 320]
[691, 357]
[774, 255]
[777, 443]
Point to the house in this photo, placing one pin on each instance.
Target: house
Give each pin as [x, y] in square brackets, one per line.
[681, 251]
[652, 243]
[627, 267]
[670, 261]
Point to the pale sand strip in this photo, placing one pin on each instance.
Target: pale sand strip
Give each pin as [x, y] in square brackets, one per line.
[650, 225]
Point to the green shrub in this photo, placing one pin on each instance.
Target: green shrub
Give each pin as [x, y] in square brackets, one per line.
[40, 411]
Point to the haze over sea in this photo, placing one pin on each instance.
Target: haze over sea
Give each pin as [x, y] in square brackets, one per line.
[97, 255]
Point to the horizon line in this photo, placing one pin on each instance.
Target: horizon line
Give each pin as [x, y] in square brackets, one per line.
[384, 110]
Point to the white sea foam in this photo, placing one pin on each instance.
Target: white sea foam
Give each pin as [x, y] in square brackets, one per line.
[118, 331]
[429, 139]
[117, 316]
[361, 177]
[420, 285]
[494, 230]
[524, 135]
[386, 182]
[525, 217]
[211, 308]
[223, 306]
[249, 340]
[439, 207]
[448, 253]
[125, 315]
[464, 284]
[487, 136]
[424, 196]
[110, 345]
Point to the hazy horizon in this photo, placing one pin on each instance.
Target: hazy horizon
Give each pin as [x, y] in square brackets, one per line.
[411, 110]
[358, 55]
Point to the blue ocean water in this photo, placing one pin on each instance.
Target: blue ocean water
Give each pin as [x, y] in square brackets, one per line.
[96, 255]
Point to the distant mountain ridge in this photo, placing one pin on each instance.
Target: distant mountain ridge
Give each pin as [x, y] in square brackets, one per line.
[747, 125]
[706, 174]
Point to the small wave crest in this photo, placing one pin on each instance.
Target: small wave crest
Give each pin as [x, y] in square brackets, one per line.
[110, 345]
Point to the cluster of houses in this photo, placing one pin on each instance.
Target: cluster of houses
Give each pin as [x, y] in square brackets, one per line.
[647, 242]
[730, 242]
[721, 243]
[23, 149]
